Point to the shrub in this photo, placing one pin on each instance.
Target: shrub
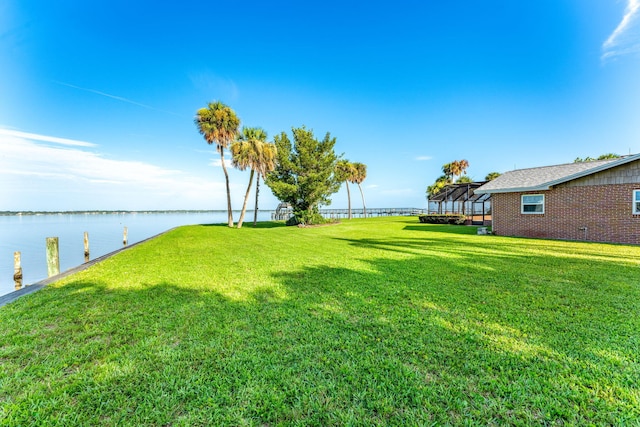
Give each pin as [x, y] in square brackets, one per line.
[292, 221]
[307, 218]
[456, 219]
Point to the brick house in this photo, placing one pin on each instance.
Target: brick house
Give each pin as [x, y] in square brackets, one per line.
[594, 201]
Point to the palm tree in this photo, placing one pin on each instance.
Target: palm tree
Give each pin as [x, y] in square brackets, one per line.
[267, 164]
[437, 186]
[345, 172]
[246, 152]
[359, 176]
[458, 167]
[219, 124]
[447, 171]
[491, 176]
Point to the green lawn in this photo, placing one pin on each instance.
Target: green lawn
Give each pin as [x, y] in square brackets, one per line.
[382, 321]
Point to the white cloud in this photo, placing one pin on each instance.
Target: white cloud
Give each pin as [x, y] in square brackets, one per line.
[423, 158]
[217, 163]
[36, 137]
[31, 170]
[625, 39]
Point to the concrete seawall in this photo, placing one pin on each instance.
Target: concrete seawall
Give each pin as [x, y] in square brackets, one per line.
[29, 289]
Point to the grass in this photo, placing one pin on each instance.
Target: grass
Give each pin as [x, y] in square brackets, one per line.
[382, 321]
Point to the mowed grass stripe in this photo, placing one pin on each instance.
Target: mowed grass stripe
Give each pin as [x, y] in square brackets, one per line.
[382, 321]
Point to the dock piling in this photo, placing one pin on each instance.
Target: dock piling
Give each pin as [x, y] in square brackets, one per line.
[86, 246]
[53, 257]
[17, 271]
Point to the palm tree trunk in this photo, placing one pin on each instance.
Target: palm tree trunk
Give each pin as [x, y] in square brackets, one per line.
[246, 199]
[348, 197]
[255, 209]
[226, 177]
[364, 205]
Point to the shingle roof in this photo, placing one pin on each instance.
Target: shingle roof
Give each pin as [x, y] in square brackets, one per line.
[543, 178]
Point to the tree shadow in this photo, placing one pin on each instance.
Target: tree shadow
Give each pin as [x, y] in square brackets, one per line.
[433, 336]
[440, 228]
[249, 224]
[268, 224]
[497, 247]
[458, 323]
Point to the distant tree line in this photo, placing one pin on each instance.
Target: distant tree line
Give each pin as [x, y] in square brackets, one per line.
[302, 171]
[600, 157]
[454, 172]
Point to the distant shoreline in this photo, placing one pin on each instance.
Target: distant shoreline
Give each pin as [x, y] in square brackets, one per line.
[111, 212]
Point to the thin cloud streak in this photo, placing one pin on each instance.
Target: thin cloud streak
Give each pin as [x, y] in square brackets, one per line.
[45, 138]
[29, 164]
[617, 44]
[118, 98]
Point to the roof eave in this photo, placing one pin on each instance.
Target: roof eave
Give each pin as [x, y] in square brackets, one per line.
[548, 185]
[619, 162]
[513, 190]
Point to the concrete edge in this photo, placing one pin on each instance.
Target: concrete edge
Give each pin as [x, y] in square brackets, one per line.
[29, 289]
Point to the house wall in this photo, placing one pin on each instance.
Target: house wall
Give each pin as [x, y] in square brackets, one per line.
[578, 210]
[625, 174]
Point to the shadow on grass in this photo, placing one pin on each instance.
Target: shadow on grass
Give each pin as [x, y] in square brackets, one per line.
[485, 248]
[440, 228]
[259, 224]
[268, 224]
[437, 338]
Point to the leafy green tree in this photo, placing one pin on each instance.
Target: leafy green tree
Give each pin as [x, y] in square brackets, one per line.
[437, 186]
[581, 160]
[219, 124]
[305, 173]
[449, 173]
[359, 176]
[251, 151]
[464, 179]
[345, 172]
[491, 176]
[600, 157]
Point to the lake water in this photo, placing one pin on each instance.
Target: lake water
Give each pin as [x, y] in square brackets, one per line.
[27, 234]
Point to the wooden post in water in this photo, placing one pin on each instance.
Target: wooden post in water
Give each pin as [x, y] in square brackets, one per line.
[86, 247]
[17, 270]
[124, 238]
[53, 256]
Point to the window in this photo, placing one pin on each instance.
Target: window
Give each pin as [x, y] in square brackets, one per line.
[532, 204]
[636, 202]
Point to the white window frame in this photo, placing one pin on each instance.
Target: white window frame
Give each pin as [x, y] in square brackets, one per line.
[522, 204]
[635, 204]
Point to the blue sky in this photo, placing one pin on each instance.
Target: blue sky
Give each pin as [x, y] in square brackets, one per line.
[97, 98]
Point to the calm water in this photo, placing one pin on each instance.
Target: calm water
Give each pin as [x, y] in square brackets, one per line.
[27, 234]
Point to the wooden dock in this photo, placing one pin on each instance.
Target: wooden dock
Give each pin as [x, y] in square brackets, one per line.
[286, 213]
